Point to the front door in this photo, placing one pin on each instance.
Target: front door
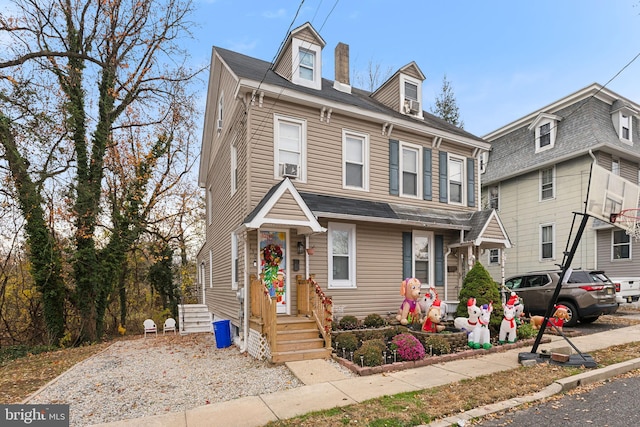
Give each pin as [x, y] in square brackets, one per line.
[273, 263]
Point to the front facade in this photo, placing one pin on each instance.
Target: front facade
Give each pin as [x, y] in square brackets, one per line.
[537, 175]
[356, 189]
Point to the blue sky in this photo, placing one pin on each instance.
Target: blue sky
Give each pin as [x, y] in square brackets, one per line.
[504, 59]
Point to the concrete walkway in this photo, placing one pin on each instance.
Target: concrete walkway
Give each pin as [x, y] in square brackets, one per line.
[326, 387]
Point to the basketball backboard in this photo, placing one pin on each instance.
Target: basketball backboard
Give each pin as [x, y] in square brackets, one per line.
[610, 194]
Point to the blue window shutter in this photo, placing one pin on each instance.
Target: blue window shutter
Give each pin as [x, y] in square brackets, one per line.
[444, 177]
[406, 255]
[427, 181]
[439, 249]
[471, 182]
[394, 167]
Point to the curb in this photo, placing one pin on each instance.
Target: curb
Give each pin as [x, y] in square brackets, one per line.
[559, 386]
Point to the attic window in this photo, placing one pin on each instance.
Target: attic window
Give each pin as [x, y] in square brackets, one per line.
[410, 96]
[622, 119]
[306, 64]
[545, 128]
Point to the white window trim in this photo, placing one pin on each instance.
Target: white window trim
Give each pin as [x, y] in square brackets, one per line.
[615, 167]
[419, 179]
[296, 45]
[234, 169]
[613, 259]
[210, 268]
[489, 262]
[302, 172]
[429, 235]
[418, 83]
[630, 122]
[351, 282]
[541, 120]
[497, 208]
[210, 205]
[220, 121]
[365, 158]
[553, 242]
[463, 169]
[234, 261]
[553, 184]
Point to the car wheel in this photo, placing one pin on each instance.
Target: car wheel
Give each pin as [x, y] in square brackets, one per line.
[586, 320]
[573, 314]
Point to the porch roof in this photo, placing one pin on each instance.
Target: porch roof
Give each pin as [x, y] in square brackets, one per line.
[479, 228]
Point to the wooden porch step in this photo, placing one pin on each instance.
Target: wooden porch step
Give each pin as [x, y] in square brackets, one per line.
[298, 334]
[295, 355]
[293, 323]
[304, 344]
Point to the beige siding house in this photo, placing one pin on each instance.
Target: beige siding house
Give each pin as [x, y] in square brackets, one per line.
[321, 198]
[537, 176]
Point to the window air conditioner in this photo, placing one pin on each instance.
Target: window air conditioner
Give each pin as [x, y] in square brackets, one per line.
[414, 106]
[290, 170]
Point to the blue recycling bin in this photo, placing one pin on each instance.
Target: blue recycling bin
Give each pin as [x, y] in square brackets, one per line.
[222, 331]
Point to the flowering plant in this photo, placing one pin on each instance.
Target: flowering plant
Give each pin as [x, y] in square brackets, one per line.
[272, 255]
[408, 346]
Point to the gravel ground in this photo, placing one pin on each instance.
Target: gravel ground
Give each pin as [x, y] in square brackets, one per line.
[156, 375]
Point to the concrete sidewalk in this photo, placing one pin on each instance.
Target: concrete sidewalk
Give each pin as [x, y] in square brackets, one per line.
[326, 387]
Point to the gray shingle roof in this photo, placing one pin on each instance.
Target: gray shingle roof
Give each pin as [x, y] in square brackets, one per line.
[258, 70]
[585, 125]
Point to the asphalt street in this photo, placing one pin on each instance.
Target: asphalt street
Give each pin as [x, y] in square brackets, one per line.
[611, 403]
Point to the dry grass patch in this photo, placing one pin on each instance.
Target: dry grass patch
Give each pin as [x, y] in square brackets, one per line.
[21, 377]
[424, 406]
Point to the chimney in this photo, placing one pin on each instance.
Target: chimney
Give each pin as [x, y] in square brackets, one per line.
[341, 81]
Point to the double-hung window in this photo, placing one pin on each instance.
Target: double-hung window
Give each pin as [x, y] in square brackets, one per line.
[289, 148]
[342, 255]
[494, 256]
[234, 169]
[355, 152]
[620, 245]
[625, 126]
[306, 64]
[456, 179]
[545, 135]
[547, 242]
[494, 197]
[423, 264]
[410, 184]
[547, 183]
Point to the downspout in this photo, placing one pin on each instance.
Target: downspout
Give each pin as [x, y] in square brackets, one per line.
[446, 280]
[595, 234]
[247, 276]
[245, 300]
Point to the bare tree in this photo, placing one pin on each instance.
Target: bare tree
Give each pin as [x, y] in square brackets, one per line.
[77, 71]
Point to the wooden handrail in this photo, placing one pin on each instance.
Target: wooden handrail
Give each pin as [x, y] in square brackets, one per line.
[316, 304]
[263, 308]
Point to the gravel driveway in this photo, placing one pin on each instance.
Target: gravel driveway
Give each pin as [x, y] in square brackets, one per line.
[156, 375]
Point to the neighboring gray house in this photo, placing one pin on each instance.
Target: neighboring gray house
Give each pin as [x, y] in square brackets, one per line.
[311, 181]
[537, 173]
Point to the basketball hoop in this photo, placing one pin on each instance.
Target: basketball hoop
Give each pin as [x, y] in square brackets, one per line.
[629, 220]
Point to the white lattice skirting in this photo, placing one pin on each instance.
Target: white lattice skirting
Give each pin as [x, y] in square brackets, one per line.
[258, 346]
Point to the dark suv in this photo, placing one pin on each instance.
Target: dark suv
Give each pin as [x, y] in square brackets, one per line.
[587, 295]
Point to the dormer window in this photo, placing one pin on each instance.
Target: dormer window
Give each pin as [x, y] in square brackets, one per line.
[545, 129]
[622, 118]
[411, 96]
[307, 64]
